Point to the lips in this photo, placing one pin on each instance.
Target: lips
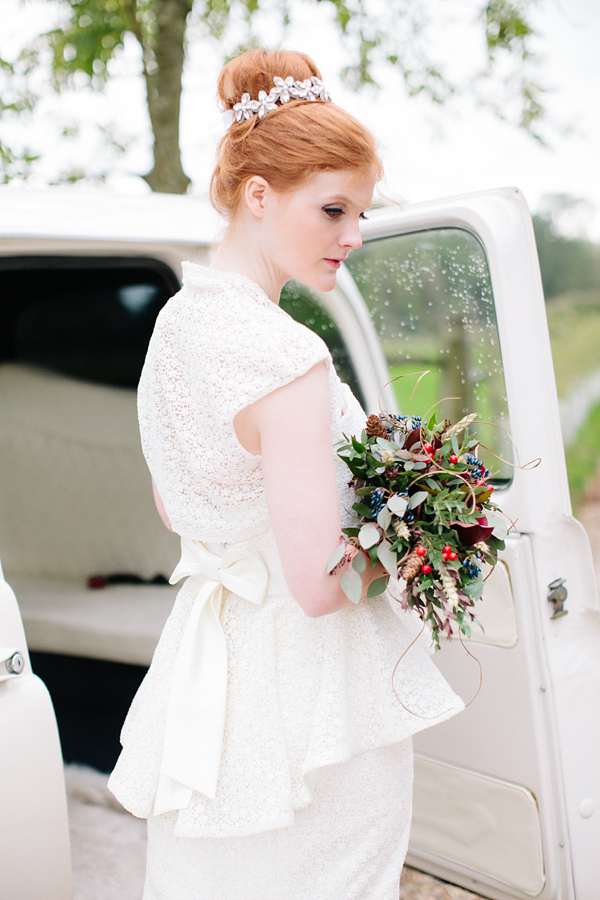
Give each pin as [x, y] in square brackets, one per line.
[336, 263]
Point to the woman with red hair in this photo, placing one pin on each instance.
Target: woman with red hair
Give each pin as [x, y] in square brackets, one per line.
[266, 746]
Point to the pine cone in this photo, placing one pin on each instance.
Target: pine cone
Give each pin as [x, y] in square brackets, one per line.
[411, 567]
[375, 427]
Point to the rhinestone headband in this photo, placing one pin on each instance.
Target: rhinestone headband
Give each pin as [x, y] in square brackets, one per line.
[283, 90]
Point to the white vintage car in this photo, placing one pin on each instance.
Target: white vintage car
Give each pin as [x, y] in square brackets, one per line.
[507, 796]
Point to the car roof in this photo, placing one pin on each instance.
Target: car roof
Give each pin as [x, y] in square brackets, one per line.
[98, 215]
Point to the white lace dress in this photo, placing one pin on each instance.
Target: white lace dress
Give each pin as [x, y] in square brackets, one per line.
[267, 749]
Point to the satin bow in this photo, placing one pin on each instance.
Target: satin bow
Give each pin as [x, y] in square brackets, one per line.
[196, 708]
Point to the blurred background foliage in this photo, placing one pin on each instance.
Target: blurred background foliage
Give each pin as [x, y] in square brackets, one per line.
[373, 34]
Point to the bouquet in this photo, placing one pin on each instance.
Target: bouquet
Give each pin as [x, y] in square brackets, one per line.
[424, 510]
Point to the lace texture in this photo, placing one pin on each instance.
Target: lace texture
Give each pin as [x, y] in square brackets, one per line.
[348, 844]
[302, 693]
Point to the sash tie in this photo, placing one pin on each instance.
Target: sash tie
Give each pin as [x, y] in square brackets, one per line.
[196, 708]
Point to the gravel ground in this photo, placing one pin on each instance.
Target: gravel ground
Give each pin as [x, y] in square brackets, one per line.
[417, 886]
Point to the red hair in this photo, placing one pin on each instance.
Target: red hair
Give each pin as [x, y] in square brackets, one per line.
[292, 142]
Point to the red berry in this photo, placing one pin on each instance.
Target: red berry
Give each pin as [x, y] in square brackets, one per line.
[428, 448]
[480, 483]
[453, 555]
[426, 569]
[453, 458]
[421, 550]
[490, 488]
[447, 548]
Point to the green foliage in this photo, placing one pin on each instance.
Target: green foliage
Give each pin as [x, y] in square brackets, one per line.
[582, 458]
[506, 26]
[17, 98]
[566, 263]
[574, 323]
[422, 498]
[94, 30]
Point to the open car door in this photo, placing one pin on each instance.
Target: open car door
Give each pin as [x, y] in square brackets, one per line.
[35, 859]
[507, 794]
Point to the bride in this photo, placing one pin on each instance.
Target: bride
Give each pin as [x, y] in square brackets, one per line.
[266, 746]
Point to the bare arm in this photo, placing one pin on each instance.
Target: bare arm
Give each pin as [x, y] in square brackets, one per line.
[291, 429]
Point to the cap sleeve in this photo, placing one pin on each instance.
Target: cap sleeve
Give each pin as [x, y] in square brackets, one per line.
[257, 355]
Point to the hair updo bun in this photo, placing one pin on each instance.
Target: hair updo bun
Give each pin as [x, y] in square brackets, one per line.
[289, 144]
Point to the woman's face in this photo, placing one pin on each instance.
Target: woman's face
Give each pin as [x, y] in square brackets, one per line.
[308, 233]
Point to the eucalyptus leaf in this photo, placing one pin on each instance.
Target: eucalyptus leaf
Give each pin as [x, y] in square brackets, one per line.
[351, 585]
[377, 587]
[499, 525]
[387, 559]
[359, 563]
[418, 498]
[397, 504]
[336, 557]
[474, 588]
[369, 535]
[384, 518]
[386, 445]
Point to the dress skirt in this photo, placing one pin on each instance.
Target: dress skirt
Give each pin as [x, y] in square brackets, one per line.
[349, 843]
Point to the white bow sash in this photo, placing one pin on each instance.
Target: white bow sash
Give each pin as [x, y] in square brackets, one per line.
[196, 708]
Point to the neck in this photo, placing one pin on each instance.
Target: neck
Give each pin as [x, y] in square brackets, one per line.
[239, 252]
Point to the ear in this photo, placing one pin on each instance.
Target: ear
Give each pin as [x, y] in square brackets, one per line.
[255, 192]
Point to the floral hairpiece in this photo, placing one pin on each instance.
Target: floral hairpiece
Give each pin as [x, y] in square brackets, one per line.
[283, 90]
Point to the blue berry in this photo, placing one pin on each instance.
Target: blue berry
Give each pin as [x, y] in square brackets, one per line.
[377, 501]
[471, 569]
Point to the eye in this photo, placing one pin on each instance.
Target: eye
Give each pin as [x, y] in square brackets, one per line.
[334, 212]
[363, 216]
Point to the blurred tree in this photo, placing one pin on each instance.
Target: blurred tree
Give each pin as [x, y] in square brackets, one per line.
[16, 97]
[395, 34]
[567, 263]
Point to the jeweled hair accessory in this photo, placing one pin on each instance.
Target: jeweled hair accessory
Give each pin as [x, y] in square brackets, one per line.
[283, 90]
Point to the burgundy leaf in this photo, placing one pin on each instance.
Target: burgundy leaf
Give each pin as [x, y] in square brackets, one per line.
[472, 534]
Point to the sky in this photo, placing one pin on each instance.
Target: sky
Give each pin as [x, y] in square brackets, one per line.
[427, 151]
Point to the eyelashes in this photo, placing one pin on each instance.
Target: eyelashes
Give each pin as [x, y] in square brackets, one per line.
[334, 212]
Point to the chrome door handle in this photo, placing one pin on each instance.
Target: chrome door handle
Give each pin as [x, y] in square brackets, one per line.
[11, 663]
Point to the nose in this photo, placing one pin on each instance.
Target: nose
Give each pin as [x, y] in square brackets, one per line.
[352, 237]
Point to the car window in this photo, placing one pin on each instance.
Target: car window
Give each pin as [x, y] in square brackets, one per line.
[88, 318]
[299, 302]
[430, 297]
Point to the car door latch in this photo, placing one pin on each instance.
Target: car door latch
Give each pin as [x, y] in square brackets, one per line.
[11, 663]
[557, 594]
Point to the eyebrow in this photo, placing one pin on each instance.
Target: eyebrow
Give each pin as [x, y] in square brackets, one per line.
[342, 198]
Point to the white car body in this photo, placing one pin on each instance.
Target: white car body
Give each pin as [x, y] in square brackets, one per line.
[507, 795]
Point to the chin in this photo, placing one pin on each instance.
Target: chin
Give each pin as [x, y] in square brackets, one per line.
[320, 282]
